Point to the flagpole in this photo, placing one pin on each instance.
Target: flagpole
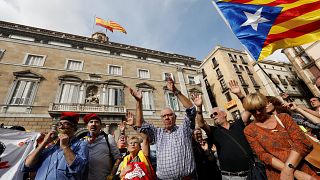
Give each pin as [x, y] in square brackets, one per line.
[94, 22]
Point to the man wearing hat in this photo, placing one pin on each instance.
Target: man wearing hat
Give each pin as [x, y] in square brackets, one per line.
[66, 159]
[102, 149]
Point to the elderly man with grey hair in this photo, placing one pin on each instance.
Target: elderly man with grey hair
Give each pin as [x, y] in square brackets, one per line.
[175, 159]
[234, 163]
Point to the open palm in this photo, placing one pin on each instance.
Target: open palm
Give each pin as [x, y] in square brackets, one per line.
[234, 87]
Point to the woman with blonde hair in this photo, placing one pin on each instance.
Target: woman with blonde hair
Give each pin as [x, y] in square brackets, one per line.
[281, 148]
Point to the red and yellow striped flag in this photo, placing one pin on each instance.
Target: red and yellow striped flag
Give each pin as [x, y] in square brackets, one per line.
[116, 26]
[103, 23]
[297, 23]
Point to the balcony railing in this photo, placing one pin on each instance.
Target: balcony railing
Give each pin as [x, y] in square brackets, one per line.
[294, 93]
[95, 108]
[275, 80]
[284, 82]
[292, 81]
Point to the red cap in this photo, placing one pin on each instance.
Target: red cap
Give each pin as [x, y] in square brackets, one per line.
[88, 117]
[70, 116]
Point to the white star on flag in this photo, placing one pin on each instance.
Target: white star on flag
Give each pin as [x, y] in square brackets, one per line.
[254, 19]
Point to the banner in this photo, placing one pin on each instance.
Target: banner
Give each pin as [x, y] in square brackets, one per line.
[15, 146]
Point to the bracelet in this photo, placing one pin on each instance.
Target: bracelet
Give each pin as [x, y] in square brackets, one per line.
[176, 92]
[65, 147]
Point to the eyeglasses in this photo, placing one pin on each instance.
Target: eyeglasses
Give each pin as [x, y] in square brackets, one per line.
[170, 115]
[63, 124]
[133, 143]
[214, 114]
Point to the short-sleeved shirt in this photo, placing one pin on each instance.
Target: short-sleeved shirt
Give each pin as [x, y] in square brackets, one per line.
[99, 157]
[231, 157]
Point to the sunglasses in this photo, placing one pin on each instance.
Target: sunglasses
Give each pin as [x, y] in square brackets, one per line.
[63, 124]
[213, 114]
[253, 111]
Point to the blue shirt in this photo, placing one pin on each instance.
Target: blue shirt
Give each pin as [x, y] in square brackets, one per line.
[52, 164]
[175, 157]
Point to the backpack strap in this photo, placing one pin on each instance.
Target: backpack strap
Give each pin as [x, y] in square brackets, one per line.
[107, 140]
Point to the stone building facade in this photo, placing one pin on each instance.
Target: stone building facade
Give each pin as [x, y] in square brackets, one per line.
[306, 62]
[225, 64]
[275, 75]
[44, 73]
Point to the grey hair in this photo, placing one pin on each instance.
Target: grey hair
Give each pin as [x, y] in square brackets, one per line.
[220, 109]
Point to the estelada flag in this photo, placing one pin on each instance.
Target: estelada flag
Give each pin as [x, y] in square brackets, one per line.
[103, 23]
[264, 26]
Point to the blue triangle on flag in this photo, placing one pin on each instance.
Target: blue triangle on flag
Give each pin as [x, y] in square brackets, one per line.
[250, 23]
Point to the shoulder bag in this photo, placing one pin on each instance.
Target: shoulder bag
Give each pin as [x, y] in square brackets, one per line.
[257, 170]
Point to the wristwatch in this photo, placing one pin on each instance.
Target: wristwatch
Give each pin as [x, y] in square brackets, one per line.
[176, 92]
[291, 166]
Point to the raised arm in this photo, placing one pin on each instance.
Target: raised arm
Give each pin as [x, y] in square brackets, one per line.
[309, 116]
[33, 158]
[197, 99]
[139, 113]
[183, 99]
[236, 90]
[145, 145]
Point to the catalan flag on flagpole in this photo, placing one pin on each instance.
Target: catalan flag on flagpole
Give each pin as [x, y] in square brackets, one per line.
[103, 23]
[116, 26]
[263, 26]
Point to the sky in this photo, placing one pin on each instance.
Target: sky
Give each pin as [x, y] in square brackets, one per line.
[187, 27]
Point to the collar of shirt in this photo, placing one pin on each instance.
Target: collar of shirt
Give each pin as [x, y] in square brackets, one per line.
[174, 128]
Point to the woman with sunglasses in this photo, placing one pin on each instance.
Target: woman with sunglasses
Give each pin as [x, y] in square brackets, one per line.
[280, 148]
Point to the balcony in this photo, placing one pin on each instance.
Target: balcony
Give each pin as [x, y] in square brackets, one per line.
[86, 108]
[256, 85]
[292, 81]
[244, 83]
[275, 80]
[224, 89]
[294, 93]
[219, 76]
[237, 70]
[215, 64]
[284, 82]
[249, 72]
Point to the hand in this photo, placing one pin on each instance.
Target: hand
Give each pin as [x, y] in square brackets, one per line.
[204, 145]
[125, 170]
[41, 137]
[214, 148]
[49, 137]
[234, 87]
[136, 94]
[64, 140]
[130, 119]
[170, 85]
[197, 99]
[291, 106]
[286, 174]
[284, 96]
[122, 126]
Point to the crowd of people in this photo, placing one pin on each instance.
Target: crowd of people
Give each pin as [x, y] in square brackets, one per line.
[270, 131]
